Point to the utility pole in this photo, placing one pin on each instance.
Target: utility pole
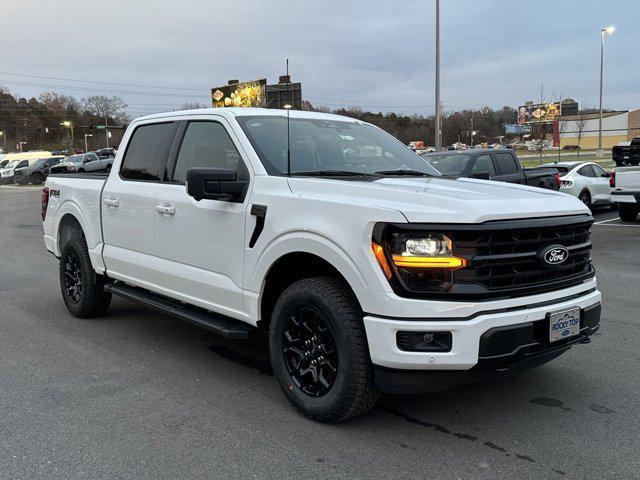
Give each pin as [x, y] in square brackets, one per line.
[106, 128]
[438, 104]
[472, 131]
[603, 30]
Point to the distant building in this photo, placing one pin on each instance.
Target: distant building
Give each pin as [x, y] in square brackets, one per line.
[284, 93]
[617, 127]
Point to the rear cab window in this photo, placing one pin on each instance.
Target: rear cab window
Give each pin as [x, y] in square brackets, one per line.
[506, 163]
[147, 152]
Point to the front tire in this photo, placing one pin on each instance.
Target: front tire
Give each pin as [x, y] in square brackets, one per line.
[82, 288]
[319, 350]
[628, 212]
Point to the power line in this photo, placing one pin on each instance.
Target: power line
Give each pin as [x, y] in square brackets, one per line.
[98, 82]
[87, 89]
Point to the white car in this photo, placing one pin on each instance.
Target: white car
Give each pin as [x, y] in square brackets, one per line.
[587, 181]
[366, 268]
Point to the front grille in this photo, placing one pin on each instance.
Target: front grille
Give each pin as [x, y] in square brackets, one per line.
[503, 258]
[509, 260]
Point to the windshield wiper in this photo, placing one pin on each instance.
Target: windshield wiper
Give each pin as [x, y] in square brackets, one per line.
[404, 173]
[332, 173]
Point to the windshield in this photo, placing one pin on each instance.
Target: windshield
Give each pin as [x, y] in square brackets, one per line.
[449, 165]
[40, 162]
[74, 159]
[329, 146]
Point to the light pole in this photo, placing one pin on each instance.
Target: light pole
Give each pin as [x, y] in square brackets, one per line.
[69, 125]
[603, 31]
[438, 110]
[5, 141]
[20, 144]
[86, 146]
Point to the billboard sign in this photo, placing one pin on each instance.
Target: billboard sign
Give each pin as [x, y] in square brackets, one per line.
[516, 129]
[545, 112]
[244, 94]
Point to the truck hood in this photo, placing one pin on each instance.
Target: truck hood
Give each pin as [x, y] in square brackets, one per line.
[441, 200]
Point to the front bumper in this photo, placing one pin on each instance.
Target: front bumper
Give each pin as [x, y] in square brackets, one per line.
[501, 351]
[466, 332]
[6, 180]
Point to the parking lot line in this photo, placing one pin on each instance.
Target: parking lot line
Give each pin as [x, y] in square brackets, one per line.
[600, 224]
[605, 221]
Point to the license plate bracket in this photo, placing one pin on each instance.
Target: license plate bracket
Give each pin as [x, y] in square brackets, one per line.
[564, 324]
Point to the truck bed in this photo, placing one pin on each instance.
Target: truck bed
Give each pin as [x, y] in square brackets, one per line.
[77, 194]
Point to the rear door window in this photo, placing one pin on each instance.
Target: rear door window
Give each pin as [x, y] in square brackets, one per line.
[506, 163]
[147, 152]
[586, 171]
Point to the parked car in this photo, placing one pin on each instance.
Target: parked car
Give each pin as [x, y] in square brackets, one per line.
[587, 181]
[500, 164]
[627, 154]
[104, 153]
[625, 182]
[37, 172]
[19, 160]
[85, 162]
[366, 268]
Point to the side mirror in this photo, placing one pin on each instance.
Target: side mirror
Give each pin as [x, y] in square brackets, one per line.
[215, 184]
[481, 175]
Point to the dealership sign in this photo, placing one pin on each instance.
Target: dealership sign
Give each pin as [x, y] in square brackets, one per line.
[245, 94]
[515, 129]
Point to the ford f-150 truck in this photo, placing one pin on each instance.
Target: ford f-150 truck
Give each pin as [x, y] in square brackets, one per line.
[625, 191]
[500, 164]
[627, 154]
[368, 270]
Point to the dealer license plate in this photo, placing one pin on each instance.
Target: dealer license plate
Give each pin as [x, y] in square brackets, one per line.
[564, 324]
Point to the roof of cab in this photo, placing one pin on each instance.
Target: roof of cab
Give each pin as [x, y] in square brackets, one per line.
[243, 112]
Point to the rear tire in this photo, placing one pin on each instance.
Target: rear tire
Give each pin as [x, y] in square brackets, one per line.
[585, 197]
[37, 178]
[319, 350]
[82, 288]
[628, 212]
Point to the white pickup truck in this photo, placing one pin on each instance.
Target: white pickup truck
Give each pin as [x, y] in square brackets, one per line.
[625, 191]
[368, 271]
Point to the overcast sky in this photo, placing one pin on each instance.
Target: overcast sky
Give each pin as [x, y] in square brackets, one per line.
[375, 54]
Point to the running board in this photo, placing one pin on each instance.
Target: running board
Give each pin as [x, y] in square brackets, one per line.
[224, 326]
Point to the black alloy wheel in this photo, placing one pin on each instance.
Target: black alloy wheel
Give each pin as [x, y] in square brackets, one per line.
[73, 278]
[310, 353]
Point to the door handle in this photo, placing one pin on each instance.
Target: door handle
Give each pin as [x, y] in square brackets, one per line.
[111, 201]
[166, 209]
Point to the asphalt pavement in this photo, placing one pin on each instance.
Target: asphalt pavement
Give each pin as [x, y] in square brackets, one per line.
[137, 394]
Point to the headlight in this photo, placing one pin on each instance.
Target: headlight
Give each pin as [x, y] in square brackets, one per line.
[428, 251]
[418, 261]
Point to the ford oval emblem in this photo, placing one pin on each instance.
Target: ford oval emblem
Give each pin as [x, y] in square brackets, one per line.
[555, 255]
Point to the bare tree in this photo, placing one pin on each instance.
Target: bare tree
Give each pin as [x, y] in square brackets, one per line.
[104, 107]
[581, 122]
[190, 106]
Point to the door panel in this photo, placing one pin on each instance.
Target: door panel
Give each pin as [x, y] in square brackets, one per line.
[200, 249]
[128, 205]
[200, 244]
